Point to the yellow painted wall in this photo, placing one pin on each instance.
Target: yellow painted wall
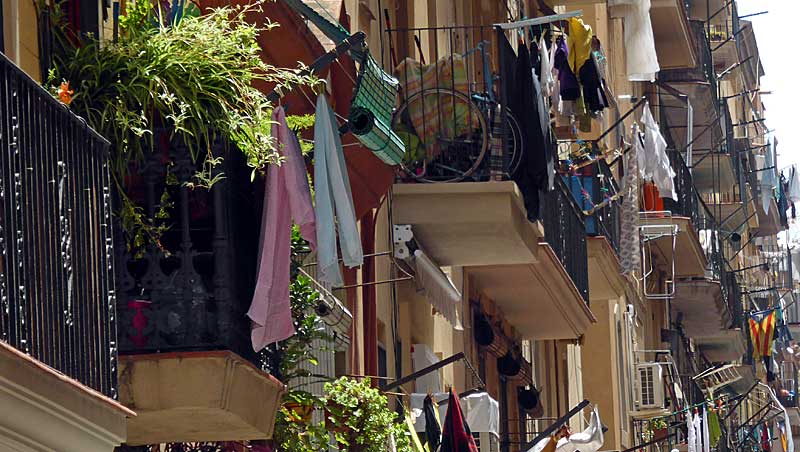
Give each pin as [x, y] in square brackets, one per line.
[21, 36]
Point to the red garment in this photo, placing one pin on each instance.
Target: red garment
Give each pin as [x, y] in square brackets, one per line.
[456, 436]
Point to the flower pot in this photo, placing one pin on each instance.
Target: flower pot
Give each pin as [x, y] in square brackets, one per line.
[659, 434]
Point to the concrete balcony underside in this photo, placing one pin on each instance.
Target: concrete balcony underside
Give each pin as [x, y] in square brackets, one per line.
[725, 53]
[197, 396]
[468, 223]
[43, 410]
[672, 35]
[769, 223]
[690, 261]
[539, 300]
[704, 110]
[701, 308]
[712, 171]
[727, 346]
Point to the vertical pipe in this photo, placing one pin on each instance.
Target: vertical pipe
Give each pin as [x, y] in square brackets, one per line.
[368, 296]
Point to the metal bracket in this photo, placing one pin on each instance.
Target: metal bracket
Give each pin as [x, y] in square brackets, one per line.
[404, 244]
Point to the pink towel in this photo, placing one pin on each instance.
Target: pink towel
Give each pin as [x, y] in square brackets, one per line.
[286, 198]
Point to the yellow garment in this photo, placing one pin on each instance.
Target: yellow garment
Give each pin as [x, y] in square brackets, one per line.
[579, 42]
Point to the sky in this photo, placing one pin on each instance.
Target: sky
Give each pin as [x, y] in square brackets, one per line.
[776, 32]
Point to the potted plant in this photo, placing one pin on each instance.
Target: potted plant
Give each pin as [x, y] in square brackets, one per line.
[659, 429]
[359, 417]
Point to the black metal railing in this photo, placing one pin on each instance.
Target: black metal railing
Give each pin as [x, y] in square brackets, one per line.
[688, 203]
[57, 296]
[607, 218]
[565, 232]
[191, 289]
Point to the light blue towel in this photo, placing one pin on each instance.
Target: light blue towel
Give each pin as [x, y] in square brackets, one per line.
[332, 191]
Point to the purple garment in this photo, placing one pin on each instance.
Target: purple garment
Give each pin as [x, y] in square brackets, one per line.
[570, 90]
[286, 198]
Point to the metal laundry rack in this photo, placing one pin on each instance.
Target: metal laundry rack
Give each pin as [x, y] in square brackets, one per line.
[650, 233]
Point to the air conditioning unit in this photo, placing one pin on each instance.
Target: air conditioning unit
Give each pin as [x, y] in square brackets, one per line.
[649, 386]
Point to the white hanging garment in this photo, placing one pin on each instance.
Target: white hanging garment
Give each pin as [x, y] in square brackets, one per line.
[438, 289]
[546, 78]
[706, 436]
[691, 433]
[657, 166]
[794, 185]
[589, 440]
[698, 433]
[640, 46]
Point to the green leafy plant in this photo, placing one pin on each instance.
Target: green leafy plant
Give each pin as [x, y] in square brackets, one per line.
[360, 418]
[658, 424]
[191, 74]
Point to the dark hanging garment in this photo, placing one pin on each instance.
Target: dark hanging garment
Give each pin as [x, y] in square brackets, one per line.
[519, 95]
[432, 429]
[594, 95]
[456, 435]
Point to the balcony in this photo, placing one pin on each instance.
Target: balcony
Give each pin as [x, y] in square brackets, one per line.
[547, 299]
[602, 230]
[58, 349]
[469, 223]
[182, 304]
[723, 39]
[672, 34]
[686, 217]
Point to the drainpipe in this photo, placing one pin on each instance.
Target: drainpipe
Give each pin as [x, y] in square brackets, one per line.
[368, 296]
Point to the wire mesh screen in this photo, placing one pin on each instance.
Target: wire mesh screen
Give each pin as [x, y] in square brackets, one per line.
[371, 112]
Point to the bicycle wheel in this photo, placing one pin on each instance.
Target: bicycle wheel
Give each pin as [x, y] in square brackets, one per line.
[514, 145]
[445, 133]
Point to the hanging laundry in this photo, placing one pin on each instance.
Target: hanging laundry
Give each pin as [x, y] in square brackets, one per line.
[656, 165]
[433, 431]
[594, 95]
[286, 198]
[794, 185]
[601, 62]
[691, 434]
[456, 435]
[698, 433]
[546, 79]
[332, 193]
[532, 173]
[714, 429]
[589, 440]
[640, 48]
[630, 257]
[706, 434]
[768, 174]
[580, 43]
[569, 89]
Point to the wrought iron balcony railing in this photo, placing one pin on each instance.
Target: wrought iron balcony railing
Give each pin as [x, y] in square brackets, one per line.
[57, 295]
[190, 290]
[565, 232]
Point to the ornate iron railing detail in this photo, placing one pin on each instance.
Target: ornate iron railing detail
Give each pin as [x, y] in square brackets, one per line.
[191, 290]
[56, 271]
[565, 232]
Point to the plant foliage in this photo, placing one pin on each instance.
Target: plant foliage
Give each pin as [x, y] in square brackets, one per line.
[194, 75]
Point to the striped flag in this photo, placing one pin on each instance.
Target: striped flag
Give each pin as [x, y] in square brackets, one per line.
[762, 333]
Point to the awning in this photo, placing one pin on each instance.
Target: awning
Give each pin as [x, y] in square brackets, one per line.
[481, 411]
